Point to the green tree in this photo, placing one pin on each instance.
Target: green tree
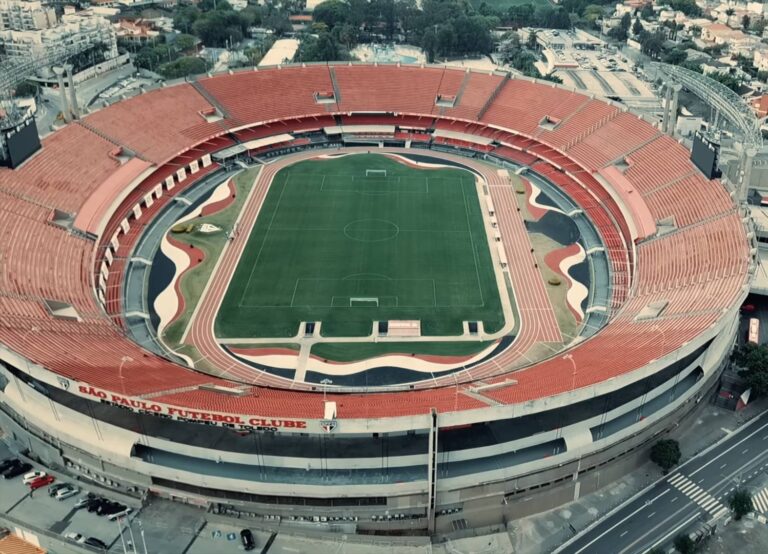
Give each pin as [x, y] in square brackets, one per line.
[757, 376]
[740, 503]
[331, 12]
[183, 67]
[531, 42]
[684, 544]
[184, 42]
[666, 454]
[592, 13]
[745, 21]
[25, 89]
[637, 27]
[647, 11]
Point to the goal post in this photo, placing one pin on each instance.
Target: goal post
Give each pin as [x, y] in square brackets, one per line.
[375, 172]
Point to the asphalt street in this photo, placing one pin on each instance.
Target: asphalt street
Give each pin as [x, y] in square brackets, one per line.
[695, 492]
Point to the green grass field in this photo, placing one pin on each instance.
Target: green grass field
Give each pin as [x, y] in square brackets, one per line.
[334, 245]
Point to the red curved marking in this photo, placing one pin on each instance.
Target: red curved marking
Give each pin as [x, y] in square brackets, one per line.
[553, 259]
[196, 257]
[536, 212]
[220, 205]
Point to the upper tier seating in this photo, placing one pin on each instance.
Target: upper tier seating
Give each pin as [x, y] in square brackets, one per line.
[159, 124]
[256, 96]
[73, 163]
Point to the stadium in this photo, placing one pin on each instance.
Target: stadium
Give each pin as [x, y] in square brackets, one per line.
[396, 297]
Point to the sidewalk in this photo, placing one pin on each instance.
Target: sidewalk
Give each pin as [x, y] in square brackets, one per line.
[543, 532]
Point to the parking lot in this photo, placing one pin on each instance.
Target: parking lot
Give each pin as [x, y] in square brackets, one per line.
[41, 511]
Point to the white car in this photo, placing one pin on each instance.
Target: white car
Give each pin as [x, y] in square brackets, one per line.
[117, 515]
[32, 475]
[66, 492]
[76, 537]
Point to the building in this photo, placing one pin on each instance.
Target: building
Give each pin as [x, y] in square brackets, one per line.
[16, 15]
[81, 394]
[79, 30]
[138, 30]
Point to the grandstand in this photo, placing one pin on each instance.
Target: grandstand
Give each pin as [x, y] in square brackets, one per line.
[677, 250]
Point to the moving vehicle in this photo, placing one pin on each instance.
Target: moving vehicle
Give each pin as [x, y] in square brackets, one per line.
[40, 482]
[246, 537]
[32, 475]
[16, 470]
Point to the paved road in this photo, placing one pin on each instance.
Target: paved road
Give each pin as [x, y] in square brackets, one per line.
[696, 492]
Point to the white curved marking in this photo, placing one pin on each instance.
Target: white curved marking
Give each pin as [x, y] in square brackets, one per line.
[283, 361]
[167, 302]
[577, 292]
[533, 200]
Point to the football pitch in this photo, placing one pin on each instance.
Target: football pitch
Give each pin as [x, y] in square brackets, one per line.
[338, 243]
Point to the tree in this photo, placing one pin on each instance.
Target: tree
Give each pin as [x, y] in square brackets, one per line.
[26, 89]
[637, 27]
[745, 21]
[666, 454]
[729, 12]
[184, 42]
[740, 503]
[647, 11]
[592, 13]
[331, 12]
[684, 544]
[758, 376]
[183, 67]
[531, 42]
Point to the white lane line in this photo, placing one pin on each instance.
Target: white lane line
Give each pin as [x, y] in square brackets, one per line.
[620, 522]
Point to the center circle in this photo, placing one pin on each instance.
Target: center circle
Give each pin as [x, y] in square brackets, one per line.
[371, 230]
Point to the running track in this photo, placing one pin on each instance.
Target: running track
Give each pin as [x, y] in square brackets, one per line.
[537, 318]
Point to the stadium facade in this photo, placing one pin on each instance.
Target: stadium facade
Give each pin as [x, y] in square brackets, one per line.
[77, 390]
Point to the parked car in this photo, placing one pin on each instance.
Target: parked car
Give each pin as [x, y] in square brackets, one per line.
[8, 463]
[67, 492]
[32, 475]
[84, 501]
[107, 507]
[53, 489]
[246, 537]
[94, 504]
[93, 541]
[16, 470]
[40, 482]
[75, 537]
[121, 513]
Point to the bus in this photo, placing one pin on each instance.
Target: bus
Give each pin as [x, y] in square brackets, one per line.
[753, 337]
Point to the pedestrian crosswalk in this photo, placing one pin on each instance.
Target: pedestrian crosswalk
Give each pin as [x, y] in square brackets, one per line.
[760, 501]
[698, 495]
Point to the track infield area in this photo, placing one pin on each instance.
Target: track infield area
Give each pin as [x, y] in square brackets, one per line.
[337, 243]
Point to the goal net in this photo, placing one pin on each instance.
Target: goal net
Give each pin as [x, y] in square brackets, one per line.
[363, 302]
[375, 172]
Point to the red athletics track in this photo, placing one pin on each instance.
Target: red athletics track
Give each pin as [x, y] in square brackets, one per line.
[537, 319]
